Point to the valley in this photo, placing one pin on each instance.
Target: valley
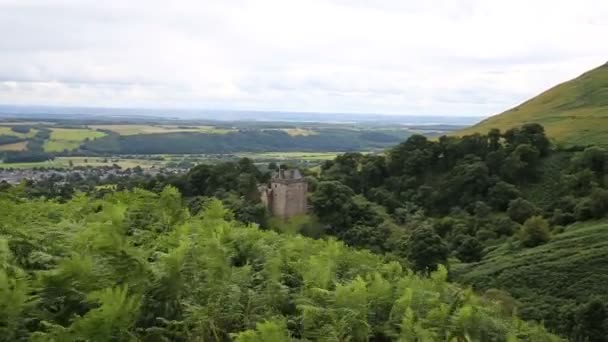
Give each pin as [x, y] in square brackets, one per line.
[501, 232]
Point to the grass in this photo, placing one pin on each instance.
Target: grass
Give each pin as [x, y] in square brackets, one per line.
[19, 146]
[64, 163]
[569, 269]
[291, 155]
[573, 113]
[129, 162]
[69, 138]
[4, 130]
[294, 132]
[159, 129]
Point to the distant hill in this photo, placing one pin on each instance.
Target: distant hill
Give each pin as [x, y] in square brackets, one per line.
[573, 113]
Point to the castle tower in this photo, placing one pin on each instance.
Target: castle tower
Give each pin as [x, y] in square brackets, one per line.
[286, 196]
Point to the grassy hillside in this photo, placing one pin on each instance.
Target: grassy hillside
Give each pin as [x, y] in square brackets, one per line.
[573, 113]
[550, 277]
[69, 138]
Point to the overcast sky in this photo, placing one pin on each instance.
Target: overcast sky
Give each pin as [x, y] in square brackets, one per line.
[456, 57]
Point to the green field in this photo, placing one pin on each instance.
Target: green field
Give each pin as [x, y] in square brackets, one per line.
[573, 113]
[148, 162]
[4, 130]
[291, 155]
[64, 163]
[69, 138]
[294, 132]
[566, 270]
[159, 129]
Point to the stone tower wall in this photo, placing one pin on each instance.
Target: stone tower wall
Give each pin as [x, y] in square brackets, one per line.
[289, 198]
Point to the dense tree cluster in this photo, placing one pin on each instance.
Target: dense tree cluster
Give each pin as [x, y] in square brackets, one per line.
[457, 197]
[246, 140]
[137, 265]
[464, 178]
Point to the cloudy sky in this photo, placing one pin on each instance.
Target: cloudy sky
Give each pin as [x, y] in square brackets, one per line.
[456, 57]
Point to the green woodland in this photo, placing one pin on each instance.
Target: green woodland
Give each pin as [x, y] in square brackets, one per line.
[137, 265]
[487, 237]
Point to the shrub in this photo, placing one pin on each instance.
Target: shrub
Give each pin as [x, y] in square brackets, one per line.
[520, 210]
[470, 250]
[584, 210]
[561, 218]
[501, 194]
[504, 226]
[535, 231]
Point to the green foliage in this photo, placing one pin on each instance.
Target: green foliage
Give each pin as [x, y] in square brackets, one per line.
[305, 225]
[501, 194]
[102, 270]
[520, 210]
[547, 280]
[246, 140]
[426, 250]
[269, 331]
[591, 322]
[470, 250]
[535, 231]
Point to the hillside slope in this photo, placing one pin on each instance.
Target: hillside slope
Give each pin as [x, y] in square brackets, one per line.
[573, 113]
[547, 278]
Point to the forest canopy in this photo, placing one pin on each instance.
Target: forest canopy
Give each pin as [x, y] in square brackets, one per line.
[137, 265]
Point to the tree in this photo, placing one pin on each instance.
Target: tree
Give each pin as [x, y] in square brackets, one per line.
[522, 164]
[411, 157]
[470, 250]
[591, 322]
[599, 202]
[332, 202]
[494, 137]
[594, 158]
[520, 210]
[535, 135]
[426, 250]
[534, 232]
[501, 194]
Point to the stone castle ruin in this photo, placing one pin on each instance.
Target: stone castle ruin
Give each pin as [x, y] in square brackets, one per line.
[285, 197]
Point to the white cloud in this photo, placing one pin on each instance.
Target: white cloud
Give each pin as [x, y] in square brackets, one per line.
[470, 57]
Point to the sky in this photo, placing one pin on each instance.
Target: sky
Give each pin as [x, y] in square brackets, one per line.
[411, 57]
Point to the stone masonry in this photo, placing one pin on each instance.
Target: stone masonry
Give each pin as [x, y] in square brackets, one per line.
[286, 195]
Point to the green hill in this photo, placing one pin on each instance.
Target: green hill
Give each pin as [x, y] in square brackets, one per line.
[573, 113]
[550, 278]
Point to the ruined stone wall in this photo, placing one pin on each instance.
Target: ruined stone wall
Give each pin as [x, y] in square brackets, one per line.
[289, 199]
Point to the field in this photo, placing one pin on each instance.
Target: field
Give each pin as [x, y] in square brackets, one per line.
[19, 146]
[69, 138]
[159, 129]
[294, 132]
[94, 137]
[566, 270]
[291, 155]
[4, 130]
[67, 162]
[158, 161]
